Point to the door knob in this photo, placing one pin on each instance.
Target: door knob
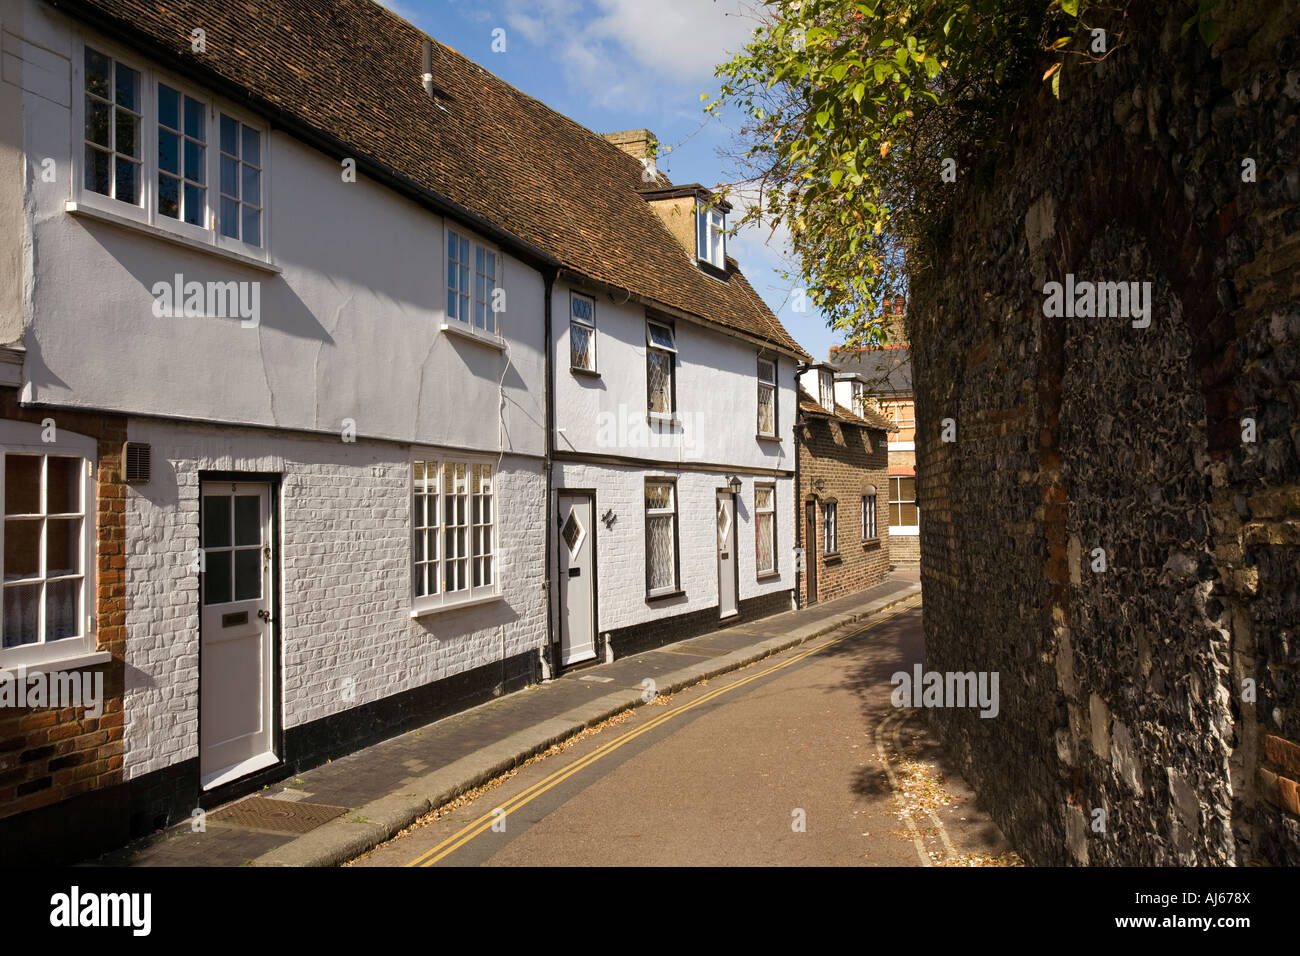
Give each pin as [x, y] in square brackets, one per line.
[265, 615]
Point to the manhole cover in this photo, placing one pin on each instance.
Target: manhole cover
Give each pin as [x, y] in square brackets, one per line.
[279, 816]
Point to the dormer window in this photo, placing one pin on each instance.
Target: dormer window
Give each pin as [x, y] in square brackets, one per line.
[826, 383]
[711, 235]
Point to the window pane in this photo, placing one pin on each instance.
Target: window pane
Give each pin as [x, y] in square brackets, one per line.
[765, 550]
[658, 497]
[97, 70]
[659, 369]
[169, 152]
[252, 146]
[194, 196]
[216, 521]
[229, 217]
[97, 165]
[230, 176]
[766, 371]
[248, 519]
[895, 515]
[248, 574]
[62, 614]
[20, 614]
[478, 258]
[128, 134]
[22, 549]
[252, 226]
[97, 120]
[194, 119]
[194, 161]
[252, 183]
[63, 485]
[452, 301]
[169, 106]
[216, 578]
[762, 498]
[62, 546]
[580, 346]
[582, 309]
[169, 196]
[766, 410]
[127, 87]
[907, 489]
[127, 176]
[911, 515]
[659, 552]
[660, 335]
[229, 135]
[22, 484]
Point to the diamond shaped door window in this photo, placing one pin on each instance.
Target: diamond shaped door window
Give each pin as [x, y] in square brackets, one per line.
[572, 533]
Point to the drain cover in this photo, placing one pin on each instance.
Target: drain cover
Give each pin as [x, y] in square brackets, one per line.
[278, 816]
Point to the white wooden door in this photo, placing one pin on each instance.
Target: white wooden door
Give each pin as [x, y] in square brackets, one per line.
[236, 716]
[577, 579]
[726, 525]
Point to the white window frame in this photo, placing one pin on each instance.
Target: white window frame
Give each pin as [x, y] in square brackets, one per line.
[25, 438]
[830, 527]
[470, 594]
[826, 389]
[770, 513]
[672, 511]
[767, 383]
[147, 213]
[895, 482]
[870, 515]
[860, 397]
[710, 235]
[466, 322]
[588, 324]
[671, 352]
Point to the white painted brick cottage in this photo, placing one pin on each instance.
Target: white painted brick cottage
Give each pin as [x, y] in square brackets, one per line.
[313, 398]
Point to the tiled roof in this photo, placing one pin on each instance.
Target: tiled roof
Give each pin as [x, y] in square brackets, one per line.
[870, 418]
[351, 69]
[886, 371]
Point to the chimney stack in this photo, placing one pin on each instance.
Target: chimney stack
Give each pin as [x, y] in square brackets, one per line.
[638, 143]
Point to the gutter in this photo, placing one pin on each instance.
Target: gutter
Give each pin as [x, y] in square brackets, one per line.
[548, 372]
[288, 122]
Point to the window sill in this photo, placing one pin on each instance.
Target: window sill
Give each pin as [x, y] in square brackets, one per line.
[584, 372]
[768, 575]
[834, 557]
[869, 544]
[418, 612]
[665, 595]
[663, 418]
[166, 235]
[775, 438]
[60, 659]
[472, 334]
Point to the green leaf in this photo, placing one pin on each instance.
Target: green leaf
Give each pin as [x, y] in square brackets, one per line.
[836, 176]
[1209, 30]
[858, 92]
[1071, 7]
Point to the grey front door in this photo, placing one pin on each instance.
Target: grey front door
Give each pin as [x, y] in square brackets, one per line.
[726, 554]
[577, 579]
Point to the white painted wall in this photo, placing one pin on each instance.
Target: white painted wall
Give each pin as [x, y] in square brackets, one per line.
[620, 549]
[349, 330]
[717, 394]
[345, 598]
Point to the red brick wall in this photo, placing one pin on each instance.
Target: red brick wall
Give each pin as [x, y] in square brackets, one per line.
[846, 459]
[51, 754]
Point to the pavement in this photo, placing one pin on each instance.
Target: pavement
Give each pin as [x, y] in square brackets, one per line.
[387, 787]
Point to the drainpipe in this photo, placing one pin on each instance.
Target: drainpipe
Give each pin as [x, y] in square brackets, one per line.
[548, 652]
[799, 369]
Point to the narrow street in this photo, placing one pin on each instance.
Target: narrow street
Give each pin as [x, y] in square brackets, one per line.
[799, 759]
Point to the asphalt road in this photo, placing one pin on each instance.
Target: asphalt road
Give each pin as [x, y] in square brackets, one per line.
[797, 760]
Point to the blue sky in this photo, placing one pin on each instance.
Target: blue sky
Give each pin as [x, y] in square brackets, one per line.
[627, 64]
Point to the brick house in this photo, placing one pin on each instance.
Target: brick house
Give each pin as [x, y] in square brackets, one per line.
[843, 473]
[880, 379]
[289, 401]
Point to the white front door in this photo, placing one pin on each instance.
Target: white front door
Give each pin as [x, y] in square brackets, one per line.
[577, 580]
[236, 715]
[726, 554]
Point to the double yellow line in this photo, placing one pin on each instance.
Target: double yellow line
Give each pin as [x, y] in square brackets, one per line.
[524, 797]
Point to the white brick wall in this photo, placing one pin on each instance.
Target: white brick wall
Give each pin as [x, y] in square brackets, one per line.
[345, 605]
[620, 550]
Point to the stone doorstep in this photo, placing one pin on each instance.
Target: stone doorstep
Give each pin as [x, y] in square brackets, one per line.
[364, 828]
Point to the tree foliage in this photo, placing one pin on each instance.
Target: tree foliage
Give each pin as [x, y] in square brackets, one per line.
[852, 108]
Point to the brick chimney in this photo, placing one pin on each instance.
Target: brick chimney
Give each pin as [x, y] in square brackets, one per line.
[637, 143]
